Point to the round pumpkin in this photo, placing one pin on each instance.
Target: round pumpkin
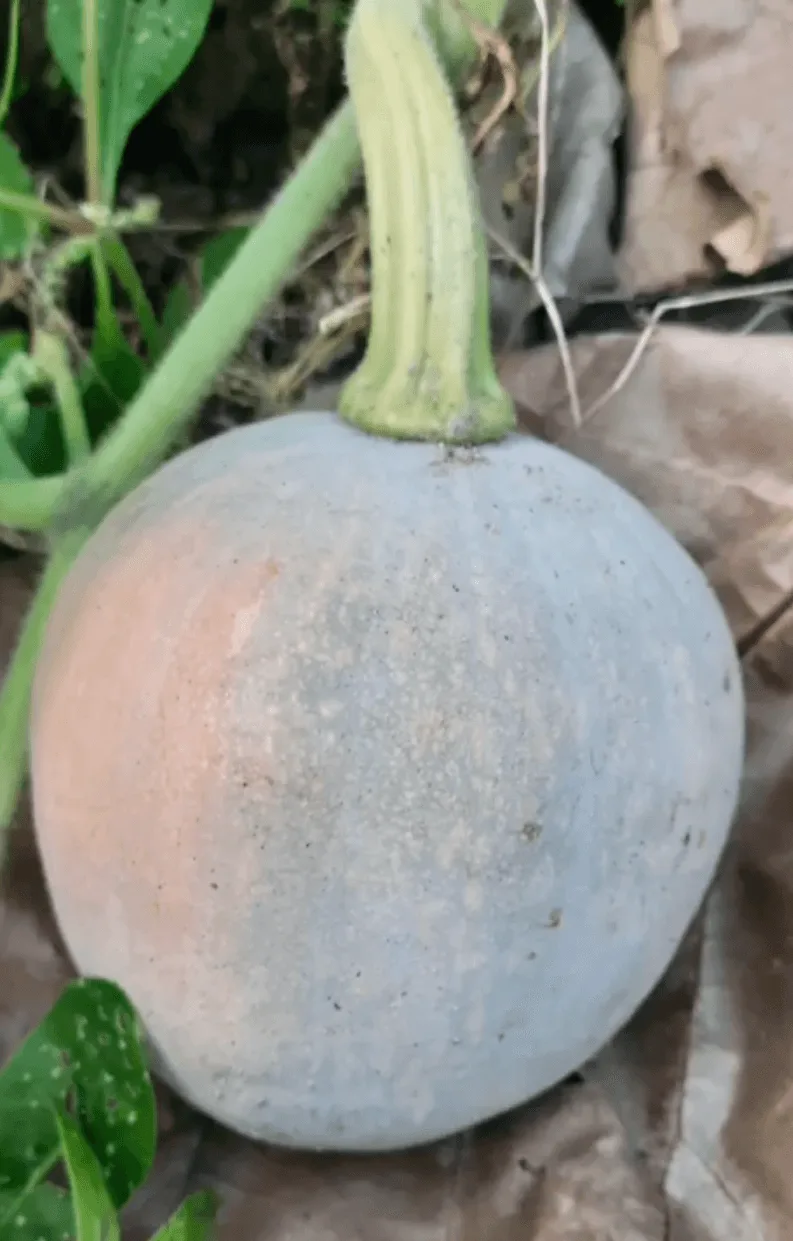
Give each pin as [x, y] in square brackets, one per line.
[385, 778]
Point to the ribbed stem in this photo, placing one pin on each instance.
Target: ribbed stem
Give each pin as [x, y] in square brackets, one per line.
[428, 371]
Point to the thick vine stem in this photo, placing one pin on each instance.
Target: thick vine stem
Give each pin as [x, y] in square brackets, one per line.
[16, 687]
[428, 371]
[29, 503]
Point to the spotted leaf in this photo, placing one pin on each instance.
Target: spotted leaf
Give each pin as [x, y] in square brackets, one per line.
[143, 46]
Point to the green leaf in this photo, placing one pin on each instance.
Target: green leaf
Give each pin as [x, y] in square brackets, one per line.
[46, 1212]
[12, 464]
[144, 46]
[40, 445]
[17, 228]
[34, 1082]
[218, 253]
[14, 409]
[110, 380]
[177, 310]
[12, 52]
[18, 372]
[90, 1045]
[213, 261]
[115, 361]
[11, 343]
[95, 1024]
[35, 446]
[94, 1214]
[193, 1221]
[115, 372]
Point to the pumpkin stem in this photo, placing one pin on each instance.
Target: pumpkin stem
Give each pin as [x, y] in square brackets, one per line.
[428, 372]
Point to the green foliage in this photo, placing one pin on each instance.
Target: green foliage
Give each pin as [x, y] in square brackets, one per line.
[95, 1217]
[193, 1221]
[212, 262]
[115, 371]
[17, 372]
[142, 46]
[87, 1051]
[45, 1214]
[16, 229]
[119, 57]
[78, 1092]
[28, 418]
[8, 88]
[11, 343]
[138, 49]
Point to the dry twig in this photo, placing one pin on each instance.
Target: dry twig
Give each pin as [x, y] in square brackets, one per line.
[552, 311]
[358, 308]
[691, 301]
[492, 44]
[533, 271]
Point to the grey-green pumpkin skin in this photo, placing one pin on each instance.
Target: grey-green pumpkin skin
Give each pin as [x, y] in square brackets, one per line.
[387, 780]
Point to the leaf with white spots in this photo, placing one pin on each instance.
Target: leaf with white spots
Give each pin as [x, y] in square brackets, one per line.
[35, 1081]
[144, 46]
[193, 1221]
[97, 1027]
[89, 1051]
[94, 1214]
[43, 1214]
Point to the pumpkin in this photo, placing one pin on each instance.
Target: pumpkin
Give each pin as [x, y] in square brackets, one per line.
[386, 778]
[385, 774]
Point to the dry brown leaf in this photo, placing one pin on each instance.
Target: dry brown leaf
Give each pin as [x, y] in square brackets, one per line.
[711, 171]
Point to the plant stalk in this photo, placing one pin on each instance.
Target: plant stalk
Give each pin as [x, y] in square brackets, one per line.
[30, 504]
[16, 687]
[428, 371]
[91, 93]
[12, 52]
[127, 274]
[58, 217]
[52, 356]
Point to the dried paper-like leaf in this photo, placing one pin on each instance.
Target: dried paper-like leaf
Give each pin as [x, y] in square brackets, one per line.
[710, 173]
